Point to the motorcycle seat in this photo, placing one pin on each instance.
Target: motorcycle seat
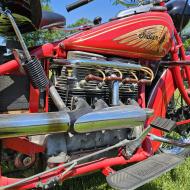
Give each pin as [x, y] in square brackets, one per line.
[51, 19]
[176, 10]
[28, 16]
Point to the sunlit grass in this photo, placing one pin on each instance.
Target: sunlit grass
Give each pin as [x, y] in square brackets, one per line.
[176, 179]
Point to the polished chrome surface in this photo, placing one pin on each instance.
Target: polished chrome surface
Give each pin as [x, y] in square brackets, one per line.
[181, 144]
[115, 92]
[118, 117]
[84, 55]
[16, 125]
[135, 10]
[176, 149]
[104, 64]
[57, 98]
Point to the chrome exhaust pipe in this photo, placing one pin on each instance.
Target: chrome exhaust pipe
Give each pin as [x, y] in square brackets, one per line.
[17, 125]
[119, 117]
[111, 118]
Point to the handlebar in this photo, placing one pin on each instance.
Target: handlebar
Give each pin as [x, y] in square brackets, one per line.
[77, 4]
[145, 2]
[80, 3]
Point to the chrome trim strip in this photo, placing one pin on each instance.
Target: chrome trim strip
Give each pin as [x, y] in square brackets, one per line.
[135, 10]
[106, 64]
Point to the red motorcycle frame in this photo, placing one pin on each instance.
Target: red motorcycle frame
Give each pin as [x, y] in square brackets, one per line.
[170, 80]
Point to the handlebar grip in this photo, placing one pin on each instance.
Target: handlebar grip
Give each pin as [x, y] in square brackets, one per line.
[77, 4]
[145, 2]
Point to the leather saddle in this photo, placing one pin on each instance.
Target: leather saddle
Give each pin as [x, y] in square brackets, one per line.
[176, 10]
[29, 17]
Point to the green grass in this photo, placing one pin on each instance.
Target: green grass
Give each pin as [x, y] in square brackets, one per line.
[176, 179]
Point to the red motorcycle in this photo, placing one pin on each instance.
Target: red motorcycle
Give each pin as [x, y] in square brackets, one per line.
[111, 94]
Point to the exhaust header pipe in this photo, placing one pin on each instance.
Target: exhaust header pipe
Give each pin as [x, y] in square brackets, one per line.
[111, 118]
[17, 125]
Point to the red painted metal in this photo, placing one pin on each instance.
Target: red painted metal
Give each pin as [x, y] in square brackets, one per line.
[179, 80]
[159, 100]
[112, 39]
[9, 67]
[46, 68]
[107, 171]
[162, 3]
[50, 50]
[22, 145]
[183, 122]
[34, 99]
[79, 170]
[116, 37]
[43, 51]
[187, 57]
[141, 97]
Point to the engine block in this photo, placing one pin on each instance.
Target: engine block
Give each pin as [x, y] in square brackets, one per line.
[92, 78]
[85, 82]
[69, 88]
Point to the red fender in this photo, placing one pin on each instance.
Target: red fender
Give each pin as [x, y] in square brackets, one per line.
[159, 100]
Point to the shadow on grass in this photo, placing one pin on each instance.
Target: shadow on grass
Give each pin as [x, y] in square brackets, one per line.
[96, 181]
[176, 179]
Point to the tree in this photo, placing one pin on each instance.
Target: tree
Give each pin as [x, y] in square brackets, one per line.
[80, 22]
[43, 36]
[126, 3]
[46, 5]
[186, 34]
[187, 44]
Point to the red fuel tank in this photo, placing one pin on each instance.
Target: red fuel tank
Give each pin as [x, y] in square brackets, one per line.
[146, 36]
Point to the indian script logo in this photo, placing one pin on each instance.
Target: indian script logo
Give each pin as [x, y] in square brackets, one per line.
[153, 39]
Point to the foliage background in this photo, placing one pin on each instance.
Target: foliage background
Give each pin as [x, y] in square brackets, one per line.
[43, 36]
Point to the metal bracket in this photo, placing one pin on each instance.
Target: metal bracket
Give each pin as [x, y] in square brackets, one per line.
[169, 141]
